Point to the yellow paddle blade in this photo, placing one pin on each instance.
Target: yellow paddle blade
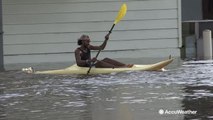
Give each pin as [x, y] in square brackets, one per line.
[121, 13]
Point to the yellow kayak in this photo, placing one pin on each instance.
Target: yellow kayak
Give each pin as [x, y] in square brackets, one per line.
[74, 69]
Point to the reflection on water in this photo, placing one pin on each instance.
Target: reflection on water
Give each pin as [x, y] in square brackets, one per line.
[199, 90]
[199, 98]
[122, 96]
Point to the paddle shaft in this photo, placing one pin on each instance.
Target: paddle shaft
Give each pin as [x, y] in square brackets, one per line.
[110, 31]
[109, 34]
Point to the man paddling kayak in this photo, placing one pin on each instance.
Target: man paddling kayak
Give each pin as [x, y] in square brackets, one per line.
[83, 55]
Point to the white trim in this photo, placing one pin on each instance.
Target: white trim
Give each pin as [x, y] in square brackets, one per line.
[188, 21]
[179, 24]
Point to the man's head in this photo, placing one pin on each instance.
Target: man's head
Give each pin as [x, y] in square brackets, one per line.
[84, 40]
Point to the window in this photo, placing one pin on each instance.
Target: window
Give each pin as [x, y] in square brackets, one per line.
[207, 9]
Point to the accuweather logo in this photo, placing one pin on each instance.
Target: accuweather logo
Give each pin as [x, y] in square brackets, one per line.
[176, 112]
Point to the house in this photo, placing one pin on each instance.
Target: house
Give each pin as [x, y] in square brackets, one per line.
[47, 30]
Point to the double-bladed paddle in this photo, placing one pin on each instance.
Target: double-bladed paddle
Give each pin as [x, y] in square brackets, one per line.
[121, 14]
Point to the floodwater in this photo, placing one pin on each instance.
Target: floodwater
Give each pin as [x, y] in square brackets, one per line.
[123, 96]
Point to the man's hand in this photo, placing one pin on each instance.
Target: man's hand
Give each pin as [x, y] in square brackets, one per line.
[107, 36]
[93, 59]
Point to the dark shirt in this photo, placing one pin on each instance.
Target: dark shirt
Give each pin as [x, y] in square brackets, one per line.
[85, 55]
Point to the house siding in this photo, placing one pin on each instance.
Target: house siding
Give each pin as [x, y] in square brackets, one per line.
[47, 31]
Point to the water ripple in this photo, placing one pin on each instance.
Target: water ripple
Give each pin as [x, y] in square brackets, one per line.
[76, 96]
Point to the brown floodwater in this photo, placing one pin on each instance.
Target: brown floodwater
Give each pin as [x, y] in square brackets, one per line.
[130, 95]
